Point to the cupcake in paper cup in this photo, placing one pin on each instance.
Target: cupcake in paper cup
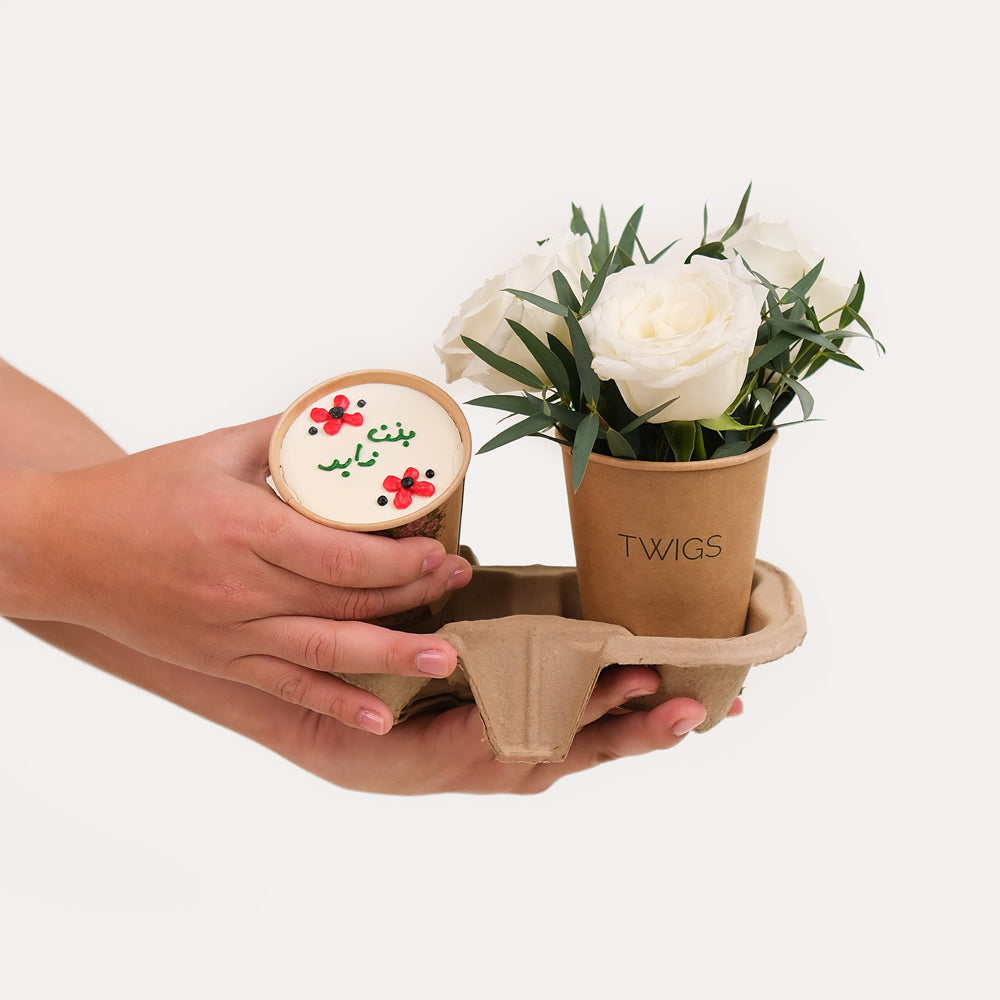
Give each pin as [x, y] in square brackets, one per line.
[375, 451]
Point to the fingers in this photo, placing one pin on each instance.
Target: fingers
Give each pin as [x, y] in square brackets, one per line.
[301, 653]
[318, 692]
[345, 559]
[363, 604]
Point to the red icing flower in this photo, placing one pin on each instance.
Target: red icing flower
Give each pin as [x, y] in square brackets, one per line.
[411, 484]
[334, 418]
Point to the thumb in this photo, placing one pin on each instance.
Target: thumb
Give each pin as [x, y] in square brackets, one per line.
[243, 450]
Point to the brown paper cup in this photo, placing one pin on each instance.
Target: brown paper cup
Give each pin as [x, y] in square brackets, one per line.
[312, 469]
[668, 548]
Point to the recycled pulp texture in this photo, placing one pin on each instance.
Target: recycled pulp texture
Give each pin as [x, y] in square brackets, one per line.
[530, 663]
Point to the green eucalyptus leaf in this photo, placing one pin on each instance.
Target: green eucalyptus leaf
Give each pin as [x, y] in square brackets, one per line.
[547, 361]
[578, 224]
[803, 395]
[524, 428]
[602, 248]
[765, 398]
[646, 417]
[776, 345]
[681, 434]
[729, 449]
[590, 384]
[565, 356]
[525, 405]
[594, 290]
[802, 287]
[619, 446]
[583, 445]
[656, 257]
[630, 234]
[741, 212]
[713, 250]
[564, 293]
[854, 302]
[556, 308]
[726, 423]
[502, 365]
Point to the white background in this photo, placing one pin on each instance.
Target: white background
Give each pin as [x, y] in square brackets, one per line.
[206, 207]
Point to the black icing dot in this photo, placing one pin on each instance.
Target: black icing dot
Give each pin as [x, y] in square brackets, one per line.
[336, 412]
[314, 430]
[361, 402]
[382, 501]
[429, 474]
[407, 482]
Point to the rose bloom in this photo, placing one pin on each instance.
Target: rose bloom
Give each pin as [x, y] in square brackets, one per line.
[483, 317]
[773, 250]
[669, 329]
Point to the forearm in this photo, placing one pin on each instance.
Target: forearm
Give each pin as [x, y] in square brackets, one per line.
[40, 433]
[41, 430]
[239, 707]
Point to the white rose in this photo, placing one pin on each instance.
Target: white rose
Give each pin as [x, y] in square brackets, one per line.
[483, 317]
[670, 329]
[772, 250]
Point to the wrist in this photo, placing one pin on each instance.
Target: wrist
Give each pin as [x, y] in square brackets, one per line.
[26, 505]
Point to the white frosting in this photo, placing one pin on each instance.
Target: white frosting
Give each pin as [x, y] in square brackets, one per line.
[401, 428]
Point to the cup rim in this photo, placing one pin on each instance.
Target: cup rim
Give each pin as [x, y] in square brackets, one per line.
[345, 381]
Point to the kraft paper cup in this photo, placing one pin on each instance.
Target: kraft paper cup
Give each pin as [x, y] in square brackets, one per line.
[668, 548]
[375, 451]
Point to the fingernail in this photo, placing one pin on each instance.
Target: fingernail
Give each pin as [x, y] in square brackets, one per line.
[434, 663]
[639, 693]
[685, 726]
[372, 722]
[459, 578]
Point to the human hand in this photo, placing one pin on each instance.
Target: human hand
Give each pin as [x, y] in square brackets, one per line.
[449, 752]
[184, 553]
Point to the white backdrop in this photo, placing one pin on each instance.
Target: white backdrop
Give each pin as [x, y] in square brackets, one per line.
[208, 206]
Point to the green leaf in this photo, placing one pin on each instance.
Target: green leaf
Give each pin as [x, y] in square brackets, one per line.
[596, 285]
[707, 250]
[602, 248]
[726, 423]
[524, 428]
[583, 445]
[590, 384]
[630, 234]
[657, 256]
[801, 287]
[578, 224]
[854, 301]
[564, 293]
[737, 223]
[502, 365]
[681, 434]
[547, 361]
[619, 446]
[556, 308]
[565, 355]
[776, 345]
[648, 415]
[803, 395]
[729, 449]
[765, 397]
[512, 404]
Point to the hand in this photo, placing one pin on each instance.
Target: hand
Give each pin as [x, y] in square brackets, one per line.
[186, 554]
[449, 752]
[429, 753]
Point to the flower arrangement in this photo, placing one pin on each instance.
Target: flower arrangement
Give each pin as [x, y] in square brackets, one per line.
[669, 357]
